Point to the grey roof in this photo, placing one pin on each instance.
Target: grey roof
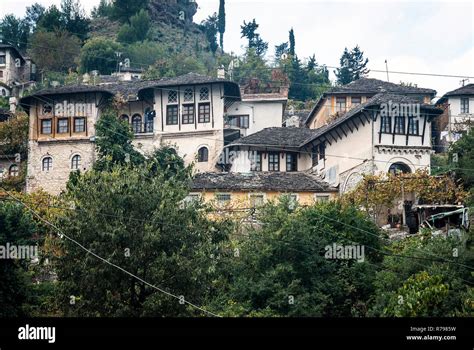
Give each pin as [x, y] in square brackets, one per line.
[465, 90]
[7, 46]
[131, 89]
[261, 181]
[370, 87]
[374, 86]
[280, 137]
[377, 100]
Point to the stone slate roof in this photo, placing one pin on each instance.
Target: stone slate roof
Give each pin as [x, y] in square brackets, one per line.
[375, 101]
[465, 90]
[11, 47]
[260, 181]
[374, 86]
[131, 89]
[280, 137]
[369, 86]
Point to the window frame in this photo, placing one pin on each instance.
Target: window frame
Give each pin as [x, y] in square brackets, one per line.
[204, 116]
[76, 119]
[291, 160]
[256, 164]
[49, 160]
[397, 124]
[134, 124]
[206, 158]
[271, 164]
[76, 162]
[464, 105]
[256, 195]
[58, 126]
[50, 120]
[384, 124]
[174, 118]
[413, 126]
[186, 117]
[339, 104]
[12, 173]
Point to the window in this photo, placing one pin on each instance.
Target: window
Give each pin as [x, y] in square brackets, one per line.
[293, 201]
[124, 118]
[322, 151]
[257, 200]
[63, 125]
[171, 115]
[204, 113]
[291, 162]
[137, 123]
[240, 121]
[397, 168]
[46, 126]
[413, 126]
[340, 104]
[464, 105]
[1, 73]
[315, 155]
[203, 155]
[399, 125]
[76, 162]
[255, 161]
[188, 95]
[191, 199]
[188, 114]
[80, 124]
[3, 60]
[322, 198]
[14, 170]
[204, 94]
[149, 120]
[47, 164]
[273, 161]
[47, 108]
[386, 124]
[172, 96]
[223, 198]
[355, 101]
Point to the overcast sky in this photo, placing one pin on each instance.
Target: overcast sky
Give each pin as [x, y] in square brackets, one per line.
[427, 37]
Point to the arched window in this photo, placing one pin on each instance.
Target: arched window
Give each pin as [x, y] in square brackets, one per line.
[76, 162]
[137, 123]
[14, 170]
[124, 118]
[203, 155]
[397, 168]
[47, 163]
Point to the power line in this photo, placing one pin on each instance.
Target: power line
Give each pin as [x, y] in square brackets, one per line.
[61, 234]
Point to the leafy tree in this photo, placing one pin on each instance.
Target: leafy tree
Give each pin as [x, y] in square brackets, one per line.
[432, 284]
[221, 22]
[281, 268]
[15, 31]
[252, 65]
[51, 20]
[210, 27]
[104, 9]
[280, 50]
[352, 66]
[16, 228]
[137, 30]
[34, 14]
[74, 18]
[292, 50]
[55, 51]
[114, 142]
[249, 31]
[99, 54]
[464, 151]
[124, 9]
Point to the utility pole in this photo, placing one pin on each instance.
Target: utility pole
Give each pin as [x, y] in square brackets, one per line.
[386, 68]
[463, 81]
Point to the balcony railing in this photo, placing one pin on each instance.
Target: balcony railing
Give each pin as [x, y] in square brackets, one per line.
[142, 128]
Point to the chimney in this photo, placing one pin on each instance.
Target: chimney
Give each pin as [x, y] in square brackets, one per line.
[221, 72]
[13, 103]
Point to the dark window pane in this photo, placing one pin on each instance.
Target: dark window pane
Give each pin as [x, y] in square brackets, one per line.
[273, 161]
[46, 125]
[188, 114]
[172, 115]
[204, 113]
[63, 126]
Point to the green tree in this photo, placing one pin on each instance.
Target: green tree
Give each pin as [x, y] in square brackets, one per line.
[55, 51]
[292, 49]
[74, 19]
[104, 9]
[114, 142]
[280, 50]
[34, 14]
[124, 9]
[15, 31]
[51, 20]
[281, 268]
[249, 31]
[99, 53]
[16, 228]
[353, 66]
[463, 152]
[221, 22]
[137, 30]
[210, 28]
